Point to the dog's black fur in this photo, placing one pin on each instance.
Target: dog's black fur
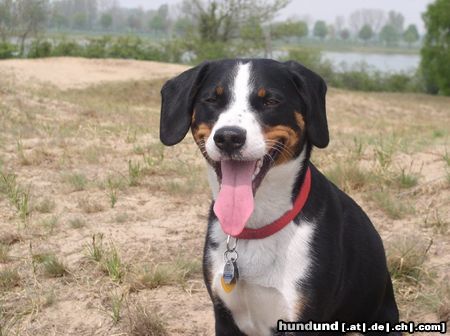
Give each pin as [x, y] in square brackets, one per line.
[349, 278]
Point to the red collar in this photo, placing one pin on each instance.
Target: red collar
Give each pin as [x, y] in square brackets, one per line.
[284, 220]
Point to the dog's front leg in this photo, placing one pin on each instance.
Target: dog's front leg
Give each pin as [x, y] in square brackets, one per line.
[225, 325]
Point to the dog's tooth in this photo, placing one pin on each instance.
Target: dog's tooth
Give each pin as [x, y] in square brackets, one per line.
[257, 170]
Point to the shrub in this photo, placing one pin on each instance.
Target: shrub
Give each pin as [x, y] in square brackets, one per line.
[7, 50]
[40, 49]
[126, 47]
[68, 48]
[97, 47]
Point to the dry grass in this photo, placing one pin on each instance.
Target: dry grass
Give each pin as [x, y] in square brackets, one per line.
[77, 223]
[50, 264]
[176, 272]
[9, 278]
[348, 176]
[4, 253]
[406, 256]
[90, 205]
[144, 321]
[45, 205]
[392, 205]
[82, 163]
[77, 181]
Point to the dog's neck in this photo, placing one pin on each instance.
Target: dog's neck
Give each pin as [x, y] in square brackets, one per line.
[274, 196]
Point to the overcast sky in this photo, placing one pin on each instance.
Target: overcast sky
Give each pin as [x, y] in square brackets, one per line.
[326, 9]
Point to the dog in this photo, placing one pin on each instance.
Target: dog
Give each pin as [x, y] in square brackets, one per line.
[283, 243]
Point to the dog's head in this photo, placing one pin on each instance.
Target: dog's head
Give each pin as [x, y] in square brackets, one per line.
[246, 116]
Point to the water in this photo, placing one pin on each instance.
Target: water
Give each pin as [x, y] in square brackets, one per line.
[381, 62]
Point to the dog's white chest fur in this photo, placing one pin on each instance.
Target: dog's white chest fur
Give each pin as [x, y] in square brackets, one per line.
[269, 271]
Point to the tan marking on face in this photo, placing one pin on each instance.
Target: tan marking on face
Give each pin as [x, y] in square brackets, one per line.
[261, 92]
[193, 117]
[219, 90]
[201, 132]
[289, 137]
[300, 121]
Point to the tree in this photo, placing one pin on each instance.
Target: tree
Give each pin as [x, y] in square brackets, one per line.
[389, 35]
[157, 23]
[31, 19]
[366, 33]
[436, 48]
[331, 31]
[183, 26]
[375, 18]
[396, 20]
[134, 22]
[6, 19]
[288, 29]
[320, 29]
[339, 23]
[344, 34]
[221, 20]
[106, 21]
[79, 21]
[252, 31]
[411, 35]
[222, 26]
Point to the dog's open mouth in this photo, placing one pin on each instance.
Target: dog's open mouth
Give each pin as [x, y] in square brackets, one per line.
[261, 167]
[239, 181]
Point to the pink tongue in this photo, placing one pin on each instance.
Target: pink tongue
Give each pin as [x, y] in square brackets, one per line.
[234, 204]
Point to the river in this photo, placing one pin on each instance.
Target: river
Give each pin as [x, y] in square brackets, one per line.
[376, 61]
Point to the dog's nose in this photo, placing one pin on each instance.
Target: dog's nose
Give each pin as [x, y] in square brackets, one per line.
[230, 138]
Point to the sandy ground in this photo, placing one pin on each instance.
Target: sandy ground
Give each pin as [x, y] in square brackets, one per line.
[68, 73]
[65, 116]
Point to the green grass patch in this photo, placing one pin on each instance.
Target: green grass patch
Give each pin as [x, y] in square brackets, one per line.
[393, 207]
[77, 181]
[406, 179]
[50, 264]
[112, 263]
[348, 176]
[18, 196]
[134, 173]
[95, 249]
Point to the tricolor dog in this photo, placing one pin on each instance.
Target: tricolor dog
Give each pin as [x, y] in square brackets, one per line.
[283, 243]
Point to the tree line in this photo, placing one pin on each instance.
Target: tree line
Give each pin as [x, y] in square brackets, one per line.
[366, 25]
[370, 25]
[195, 30]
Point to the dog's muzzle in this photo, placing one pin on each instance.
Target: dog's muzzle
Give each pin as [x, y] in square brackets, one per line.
[230, 139]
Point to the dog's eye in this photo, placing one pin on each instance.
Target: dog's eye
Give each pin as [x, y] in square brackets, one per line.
[271, 102]
[210, 100]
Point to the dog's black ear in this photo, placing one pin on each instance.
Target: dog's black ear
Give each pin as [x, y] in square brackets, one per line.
[312, 88]
[178, 96]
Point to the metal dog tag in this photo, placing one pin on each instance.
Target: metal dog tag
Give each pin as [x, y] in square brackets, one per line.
[230, 276]
[229, 272]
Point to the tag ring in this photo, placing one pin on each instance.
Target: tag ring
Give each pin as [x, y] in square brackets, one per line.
[230, 256]
[228, 244]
